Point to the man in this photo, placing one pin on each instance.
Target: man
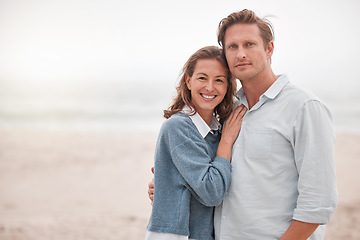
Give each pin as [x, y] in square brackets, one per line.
[283, 178]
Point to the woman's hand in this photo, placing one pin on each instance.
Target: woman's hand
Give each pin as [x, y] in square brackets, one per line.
[230, 132]
[151, 188]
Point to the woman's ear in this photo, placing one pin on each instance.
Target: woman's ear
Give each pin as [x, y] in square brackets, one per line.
[187, 80]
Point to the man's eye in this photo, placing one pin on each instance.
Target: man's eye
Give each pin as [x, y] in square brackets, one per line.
[250, 44]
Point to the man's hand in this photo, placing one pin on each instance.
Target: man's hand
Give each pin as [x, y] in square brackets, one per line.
[151, 188]
[299, 230]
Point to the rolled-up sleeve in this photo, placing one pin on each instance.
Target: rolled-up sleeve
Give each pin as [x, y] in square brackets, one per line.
[314, 140]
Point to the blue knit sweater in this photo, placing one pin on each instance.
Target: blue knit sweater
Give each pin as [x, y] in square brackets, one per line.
[189, 180]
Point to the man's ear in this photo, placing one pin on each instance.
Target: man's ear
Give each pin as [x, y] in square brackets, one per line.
[270, 49]
[187, 80]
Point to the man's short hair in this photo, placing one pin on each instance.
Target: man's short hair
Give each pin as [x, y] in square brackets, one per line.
[247, 17]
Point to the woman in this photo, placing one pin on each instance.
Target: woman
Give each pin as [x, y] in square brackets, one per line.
[192, 164]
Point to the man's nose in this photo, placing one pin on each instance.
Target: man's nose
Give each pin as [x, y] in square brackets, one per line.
[241, 53]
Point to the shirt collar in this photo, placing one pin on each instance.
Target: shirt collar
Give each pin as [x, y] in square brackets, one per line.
[272, 91]
[200, 124]
[277, 86]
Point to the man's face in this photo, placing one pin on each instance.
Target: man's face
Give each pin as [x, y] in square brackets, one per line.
[245, 52]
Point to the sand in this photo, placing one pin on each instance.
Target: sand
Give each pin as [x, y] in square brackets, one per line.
[93, 185]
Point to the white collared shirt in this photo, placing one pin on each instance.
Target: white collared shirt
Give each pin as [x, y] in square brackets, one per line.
[200, 123]
[283, 167]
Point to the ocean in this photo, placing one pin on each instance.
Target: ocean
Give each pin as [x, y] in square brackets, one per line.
[122, 106]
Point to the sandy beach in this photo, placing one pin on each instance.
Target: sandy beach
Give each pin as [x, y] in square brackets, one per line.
[93, 185]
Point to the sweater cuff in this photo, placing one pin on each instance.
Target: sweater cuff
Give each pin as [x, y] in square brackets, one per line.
[224, 161]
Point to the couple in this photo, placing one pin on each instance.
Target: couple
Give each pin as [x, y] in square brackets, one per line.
[276, 148]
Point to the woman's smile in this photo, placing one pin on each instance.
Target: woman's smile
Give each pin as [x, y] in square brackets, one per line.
[208, 96]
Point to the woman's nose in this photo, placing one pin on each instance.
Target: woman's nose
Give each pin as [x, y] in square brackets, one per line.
[209, 86]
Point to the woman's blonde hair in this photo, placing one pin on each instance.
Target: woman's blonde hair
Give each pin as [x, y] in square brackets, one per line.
[183, 96]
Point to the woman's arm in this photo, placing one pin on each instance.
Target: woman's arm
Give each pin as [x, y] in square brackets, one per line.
[230, 132]
[229, 135]
[207, 178]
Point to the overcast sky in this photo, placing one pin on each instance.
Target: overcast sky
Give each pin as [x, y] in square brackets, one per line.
[316, 42]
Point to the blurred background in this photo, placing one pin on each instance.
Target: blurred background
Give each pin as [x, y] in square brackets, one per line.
[82, 89]
[107, 64]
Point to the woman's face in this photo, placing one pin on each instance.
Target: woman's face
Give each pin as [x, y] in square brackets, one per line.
[208, 85]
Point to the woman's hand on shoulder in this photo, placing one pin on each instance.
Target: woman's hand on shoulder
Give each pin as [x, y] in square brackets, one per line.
[233, 124]
[230, 132]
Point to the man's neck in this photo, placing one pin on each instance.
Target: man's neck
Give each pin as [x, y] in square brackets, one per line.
[257, 86]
